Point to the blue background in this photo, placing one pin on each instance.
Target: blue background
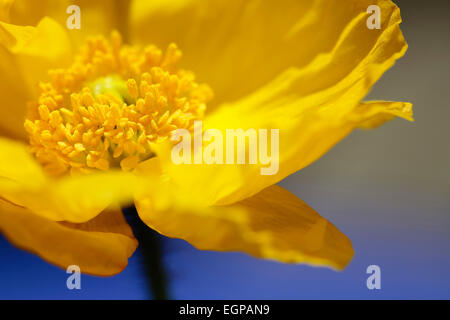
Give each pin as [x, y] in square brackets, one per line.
[411, 249]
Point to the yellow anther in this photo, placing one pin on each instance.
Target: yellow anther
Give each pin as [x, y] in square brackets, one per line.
[132, 88]
[79, 147]
[129, 163]
[44, 113]
[109, 107]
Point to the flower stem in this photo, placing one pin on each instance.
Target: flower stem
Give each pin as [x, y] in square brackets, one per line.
[150, 246]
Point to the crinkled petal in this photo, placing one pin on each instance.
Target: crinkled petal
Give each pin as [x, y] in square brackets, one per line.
[314, 106]
[100, 246]
[302, 140]
[240, 46]
[273, 224]
[382, 111]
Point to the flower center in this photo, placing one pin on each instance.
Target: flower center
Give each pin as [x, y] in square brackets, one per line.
[109, 107]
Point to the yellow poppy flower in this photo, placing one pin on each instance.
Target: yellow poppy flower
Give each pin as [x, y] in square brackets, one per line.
[86, 120]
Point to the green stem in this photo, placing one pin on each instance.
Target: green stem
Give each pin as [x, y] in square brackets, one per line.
[149, 243]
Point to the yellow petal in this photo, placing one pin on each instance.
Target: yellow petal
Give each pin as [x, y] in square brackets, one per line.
[75, 199]
[314, 106]
[382, 111]
[302, 140]
[98, 17]
[101, 246]
[239, 46]
[17, 166]
[273, 224]
[26, 54]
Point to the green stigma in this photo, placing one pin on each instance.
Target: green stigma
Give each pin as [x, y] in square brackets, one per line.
[113, 85]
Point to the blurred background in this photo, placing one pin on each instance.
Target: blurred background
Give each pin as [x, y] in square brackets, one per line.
[388, 190]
